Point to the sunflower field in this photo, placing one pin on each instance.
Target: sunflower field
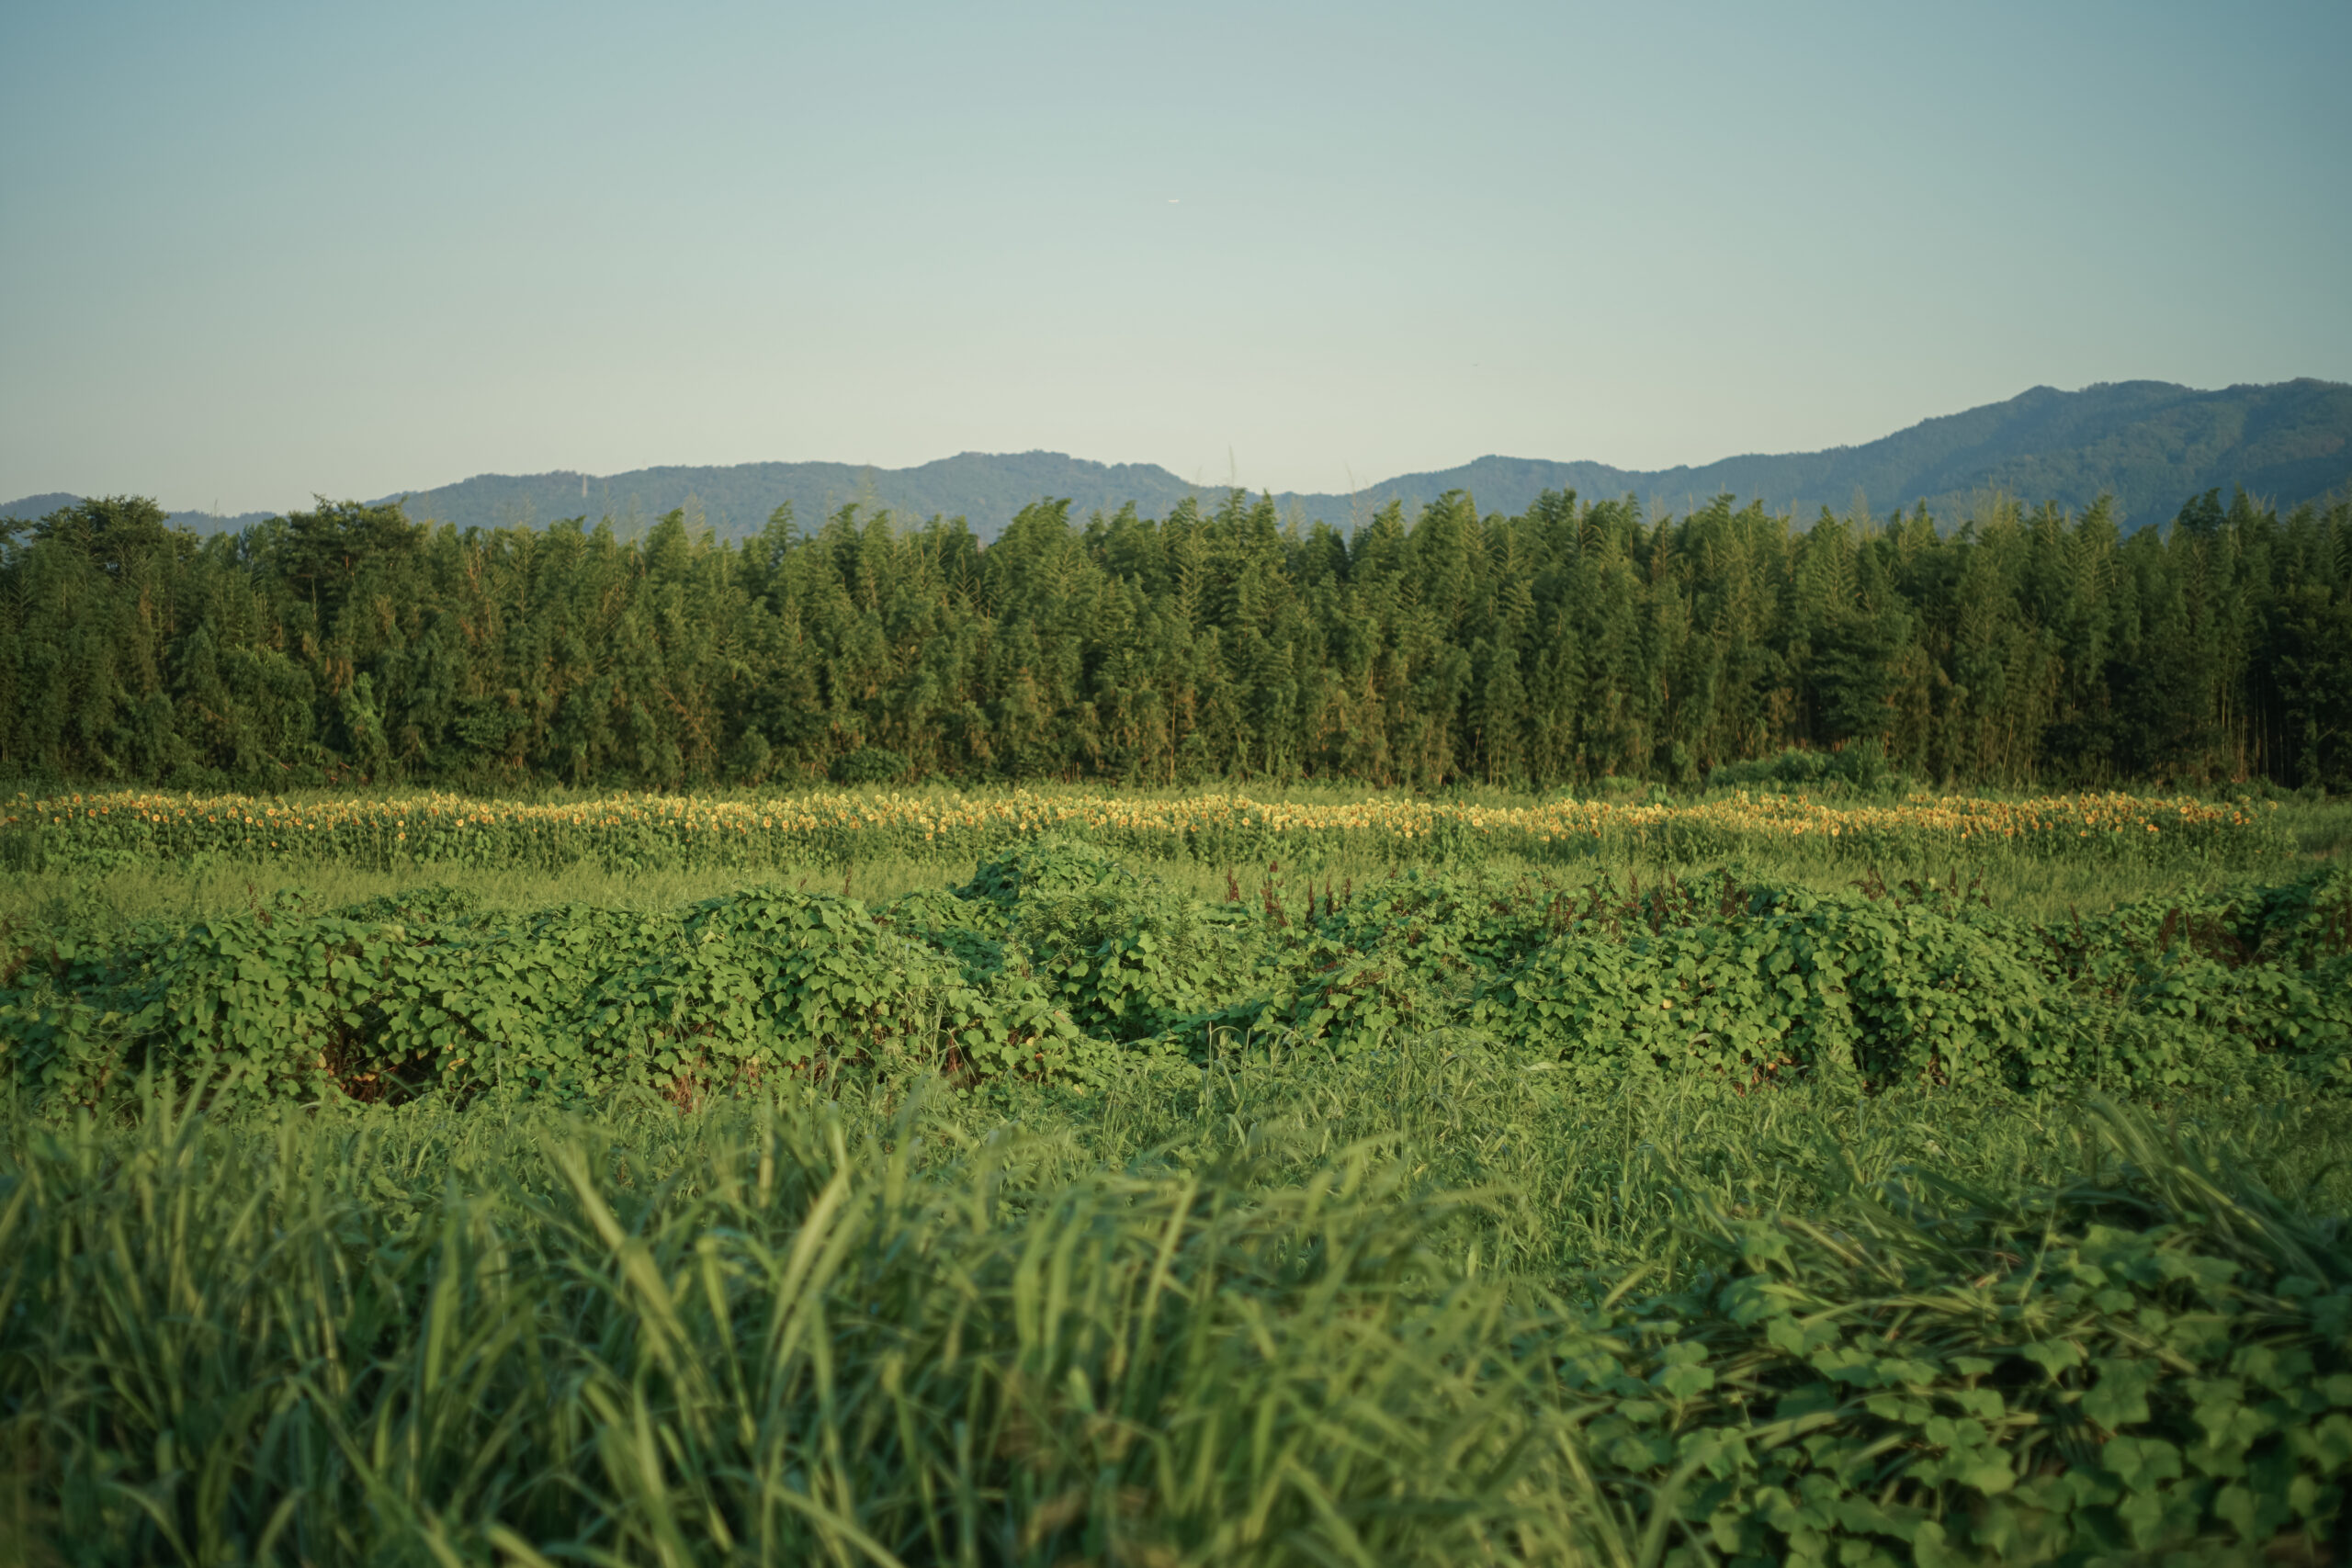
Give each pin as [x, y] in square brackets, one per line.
[648, 831]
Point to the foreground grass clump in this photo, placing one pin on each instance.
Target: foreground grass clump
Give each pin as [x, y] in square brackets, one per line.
[1421, 1309]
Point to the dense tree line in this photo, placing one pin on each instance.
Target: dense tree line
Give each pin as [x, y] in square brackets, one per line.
[1575, 641]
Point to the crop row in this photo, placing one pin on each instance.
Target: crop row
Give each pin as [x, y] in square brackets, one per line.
[1060, 961]
[641, 832]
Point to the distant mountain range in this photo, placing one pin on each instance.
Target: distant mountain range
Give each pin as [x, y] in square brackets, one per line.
[2151, 444]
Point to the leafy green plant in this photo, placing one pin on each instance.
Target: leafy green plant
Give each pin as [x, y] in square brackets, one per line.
[1058, 960]
[574, 1002]
[1051, 865]
[2098, 1373]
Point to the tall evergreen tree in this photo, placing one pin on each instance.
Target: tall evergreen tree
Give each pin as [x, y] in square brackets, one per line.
[1574, 641]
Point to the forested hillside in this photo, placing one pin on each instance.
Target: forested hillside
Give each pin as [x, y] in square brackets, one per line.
[1566, 643]
[2148, 446]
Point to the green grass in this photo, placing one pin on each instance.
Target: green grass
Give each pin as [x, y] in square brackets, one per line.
[2036, 890]
[1428, 1302]
[1275, 1311]
[2321, 828]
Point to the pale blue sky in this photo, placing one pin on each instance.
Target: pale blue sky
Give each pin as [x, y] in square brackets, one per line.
[249, 253]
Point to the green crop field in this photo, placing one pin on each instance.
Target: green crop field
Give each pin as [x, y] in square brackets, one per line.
[1065, 1176]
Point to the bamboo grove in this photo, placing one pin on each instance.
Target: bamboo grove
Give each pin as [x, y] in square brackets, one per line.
[1576, 642]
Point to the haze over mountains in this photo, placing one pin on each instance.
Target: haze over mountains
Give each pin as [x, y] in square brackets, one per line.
[2150, 444]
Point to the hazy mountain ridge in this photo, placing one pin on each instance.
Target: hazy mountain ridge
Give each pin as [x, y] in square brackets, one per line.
[32, 507]
[987, 488]
[2151, 444]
